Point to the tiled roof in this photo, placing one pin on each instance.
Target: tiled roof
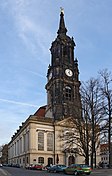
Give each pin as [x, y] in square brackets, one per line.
[104, 147]
[40, 112]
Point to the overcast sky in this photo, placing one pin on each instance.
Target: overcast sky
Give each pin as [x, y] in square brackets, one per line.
[27, 29]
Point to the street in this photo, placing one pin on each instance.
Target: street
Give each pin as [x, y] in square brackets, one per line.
[11, 171]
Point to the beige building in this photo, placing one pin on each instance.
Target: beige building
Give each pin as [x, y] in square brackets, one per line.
[38, 139]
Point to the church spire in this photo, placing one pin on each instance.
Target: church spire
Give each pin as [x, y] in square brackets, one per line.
[62, 29]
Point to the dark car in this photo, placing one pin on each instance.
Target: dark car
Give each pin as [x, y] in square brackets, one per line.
[56, 168]
[74, 169]
[86, 169]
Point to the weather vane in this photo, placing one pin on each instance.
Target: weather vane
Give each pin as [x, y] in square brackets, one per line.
[62, 10]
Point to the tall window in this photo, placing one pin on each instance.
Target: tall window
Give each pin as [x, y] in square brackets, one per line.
[49, 142]
[40, 141]
[20, 145]
[27, 160]
[68, 92]
[65, 50]
[41, 160]
[24, 141]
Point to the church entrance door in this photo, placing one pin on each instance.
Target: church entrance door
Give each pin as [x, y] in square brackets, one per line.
[50, 161]
[71, 160]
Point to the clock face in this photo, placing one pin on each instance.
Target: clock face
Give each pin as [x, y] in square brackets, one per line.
[68, 72]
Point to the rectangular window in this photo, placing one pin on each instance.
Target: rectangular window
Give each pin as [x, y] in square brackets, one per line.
[40, 141]
[41, 160]
[49, 142]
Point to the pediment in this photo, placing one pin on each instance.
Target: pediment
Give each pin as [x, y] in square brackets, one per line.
[67, 122]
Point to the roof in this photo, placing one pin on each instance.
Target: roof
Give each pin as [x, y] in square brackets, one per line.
[41, 111]
[103, 147]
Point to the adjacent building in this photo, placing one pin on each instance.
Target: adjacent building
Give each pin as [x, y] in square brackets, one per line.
[104, 152]
[4, 157]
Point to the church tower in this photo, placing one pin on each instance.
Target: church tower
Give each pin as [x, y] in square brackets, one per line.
[63, 97]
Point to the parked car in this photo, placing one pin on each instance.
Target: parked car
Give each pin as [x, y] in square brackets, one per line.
[56, 168]
[29, 166]
[6, 165]
[17, 165]
[37, 167]
[74, 169]
[86, 169]
[103, 165]
[46, 167]
[1, 165]
[14, 165]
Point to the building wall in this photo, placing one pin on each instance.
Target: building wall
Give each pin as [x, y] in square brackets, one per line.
[104, 153]
[18, 148]
[24, 148]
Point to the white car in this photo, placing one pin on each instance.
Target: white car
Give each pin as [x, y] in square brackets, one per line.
[1, 165]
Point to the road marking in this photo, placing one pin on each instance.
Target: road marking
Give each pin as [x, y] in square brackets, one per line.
[4, 172]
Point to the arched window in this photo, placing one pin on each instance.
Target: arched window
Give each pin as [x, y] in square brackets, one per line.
[40, 141]
[68, 93]
[41, 160]
[49, 142]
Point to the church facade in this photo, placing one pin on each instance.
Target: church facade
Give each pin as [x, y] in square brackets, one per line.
[38, 139]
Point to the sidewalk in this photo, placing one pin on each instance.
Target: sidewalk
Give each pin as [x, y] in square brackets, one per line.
[102, 170]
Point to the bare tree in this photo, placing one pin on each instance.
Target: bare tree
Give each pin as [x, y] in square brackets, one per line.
[93, 106]
[85, 132]
[106, 89]
[77, 138]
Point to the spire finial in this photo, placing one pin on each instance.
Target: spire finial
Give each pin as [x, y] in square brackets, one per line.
[62, 29]
[62, 10]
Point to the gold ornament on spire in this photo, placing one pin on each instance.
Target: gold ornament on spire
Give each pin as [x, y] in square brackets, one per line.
[62, 10]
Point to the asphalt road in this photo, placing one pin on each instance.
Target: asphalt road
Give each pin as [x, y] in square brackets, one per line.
[10, 171]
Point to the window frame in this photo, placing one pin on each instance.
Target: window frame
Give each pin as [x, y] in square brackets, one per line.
[41, 141]
[50, 141]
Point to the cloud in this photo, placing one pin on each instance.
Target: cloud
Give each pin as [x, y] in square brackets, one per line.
[18, 103]
[35, 73]
[28, 26]
[30, 30]
[13, 113]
